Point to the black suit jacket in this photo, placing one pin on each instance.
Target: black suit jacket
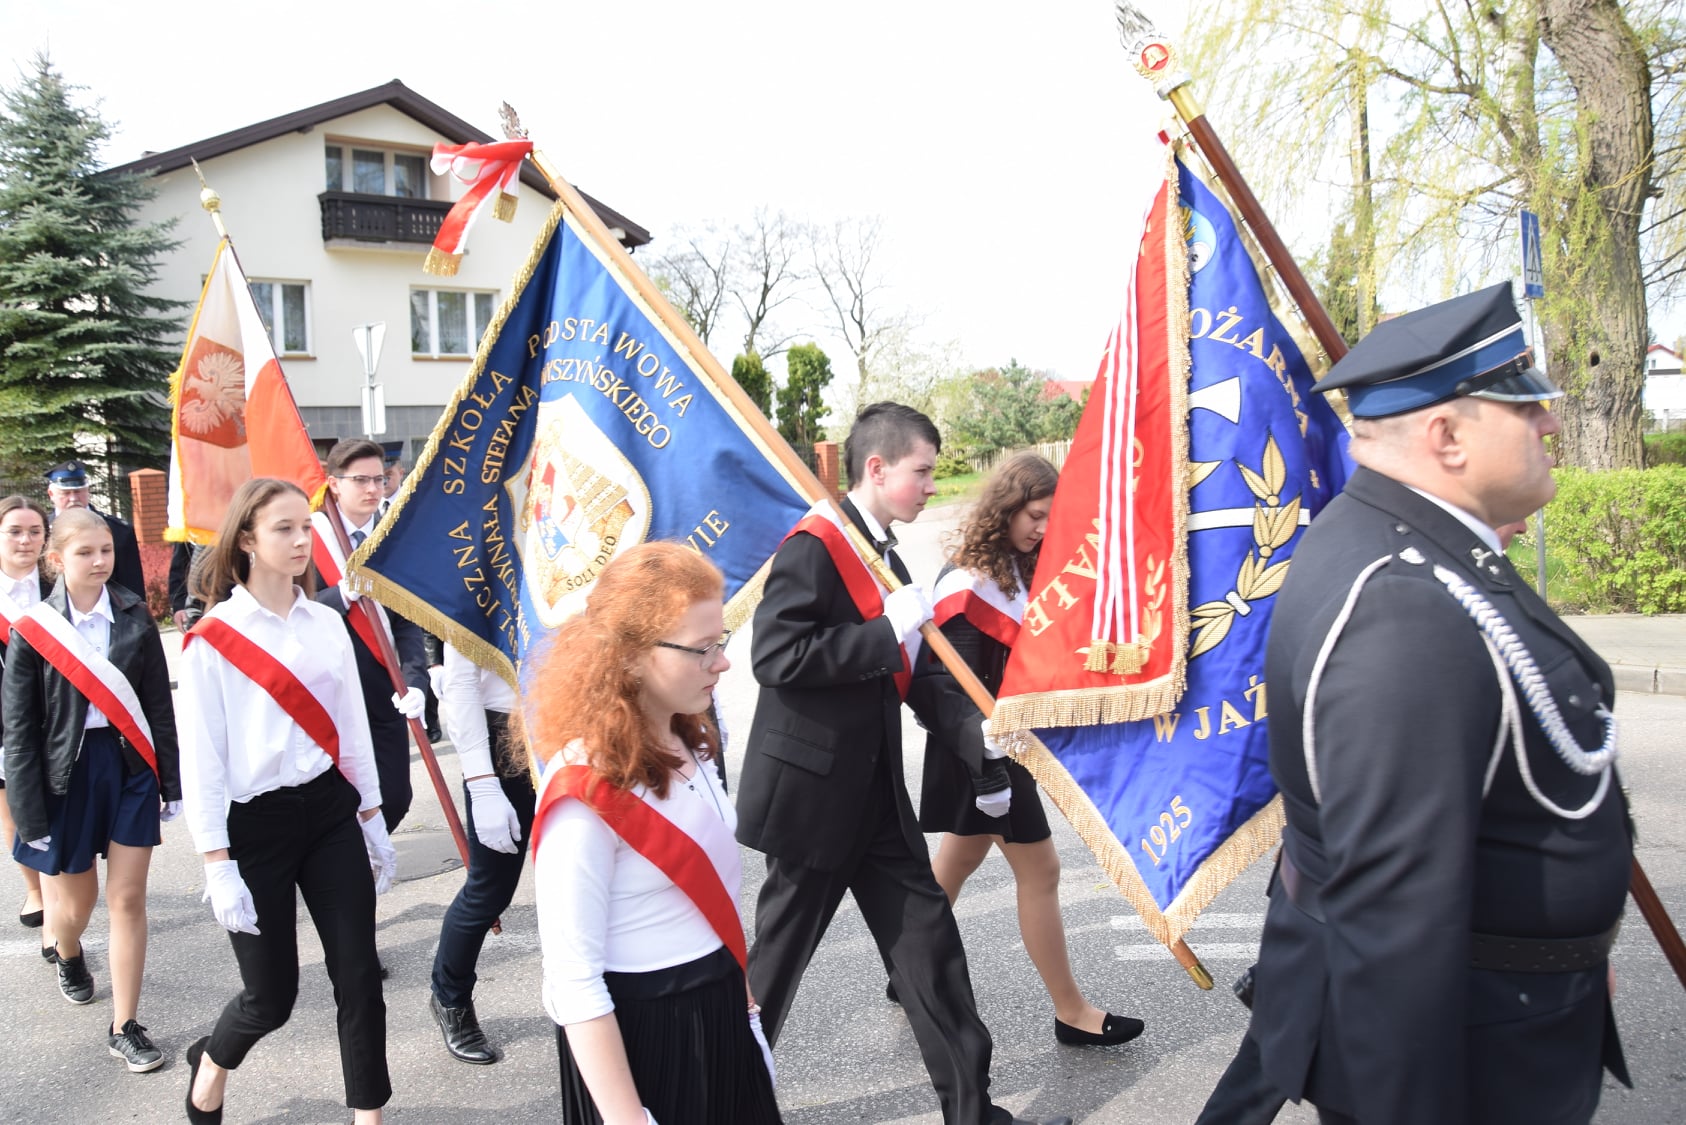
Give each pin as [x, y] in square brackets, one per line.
[126, 568]
[1366, 1001]
[387, 728]
[827, 724]
[47, 713]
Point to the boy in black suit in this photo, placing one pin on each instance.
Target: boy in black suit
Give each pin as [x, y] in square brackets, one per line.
[822, 791]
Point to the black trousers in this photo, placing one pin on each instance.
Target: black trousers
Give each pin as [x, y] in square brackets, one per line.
[914, 927]
[391, 738]
[486, 893]
[307, 838]
[1243, 1096]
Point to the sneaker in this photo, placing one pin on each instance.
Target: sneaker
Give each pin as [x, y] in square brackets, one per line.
[135, 1049]
[50, 954]
[75, 981]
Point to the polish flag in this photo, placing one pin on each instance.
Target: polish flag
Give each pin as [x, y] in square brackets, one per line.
[232, 414]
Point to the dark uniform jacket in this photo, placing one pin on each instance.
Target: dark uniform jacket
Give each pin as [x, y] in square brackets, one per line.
[828, 720]
[389, 730]
[1367, 1002]
[126, 568]
[45, 713]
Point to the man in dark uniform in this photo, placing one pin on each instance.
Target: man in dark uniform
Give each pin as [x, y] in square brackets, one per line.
[67, 487]
[1457, 850]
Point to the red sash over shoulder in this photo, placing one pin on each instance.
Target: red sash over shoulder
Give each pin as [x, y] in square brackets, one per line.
[654, 837]
[965, 593]
[262, 668]
[864, 589]
[100, 681]
[330, 564]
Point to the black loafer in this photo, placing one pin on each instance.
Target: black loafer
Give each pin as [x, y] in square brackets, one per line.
[32, 919]
[1114, 1030]
[195, 1115]
[461, 1029]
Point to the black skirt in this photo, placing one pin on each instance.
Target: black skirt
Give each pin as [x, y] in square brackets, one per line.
[946, 802]
[693, 1057]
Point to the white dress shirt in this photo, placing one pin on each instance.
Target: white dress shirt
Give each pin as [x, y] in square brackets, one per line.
[602, 906]
[471, 691]
[95, 627]
[1482, 532]
[25, 591]
[237, 742]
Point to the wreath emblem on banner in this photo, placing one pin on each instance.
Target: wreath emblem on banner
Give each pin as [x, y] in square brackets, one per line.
[1274, 522]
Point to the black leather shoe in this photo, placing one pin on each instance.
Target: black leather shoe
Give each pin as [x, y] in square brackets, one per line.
[75, 981]
[195, 1115]
[461, 1029]
[1114, 1030]
[32, 918]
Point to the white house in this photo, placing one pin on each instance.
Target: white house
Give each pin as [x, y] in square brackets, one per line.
[332, 210]
[1664, 397]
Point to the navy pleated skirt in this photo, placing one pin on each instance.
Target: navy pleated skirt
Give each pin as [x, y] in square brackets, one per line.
[105, 804]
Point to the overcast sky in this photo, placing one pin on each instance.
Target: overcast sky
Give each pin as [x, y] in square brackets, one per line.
[1009, 147]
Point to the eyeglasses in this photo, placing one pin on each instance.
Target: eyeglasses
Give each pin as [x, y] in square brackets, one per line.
[26, 533]
[361, 481]
[707, 652]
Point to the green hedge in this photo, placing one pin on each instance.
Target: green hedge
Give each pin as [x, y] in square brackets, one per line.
[1615, 541]
[1665, 449]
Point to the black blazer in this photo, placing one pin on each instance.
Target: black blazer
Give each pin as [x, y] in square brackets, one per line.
[388, 730]
[46, 713]
[1366, 1001]
[828, 718]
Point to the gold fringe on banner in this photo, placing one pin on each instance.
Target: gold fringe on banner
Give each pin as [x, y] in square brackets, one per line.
[1100, 656]
[503, 208]
[441, 263]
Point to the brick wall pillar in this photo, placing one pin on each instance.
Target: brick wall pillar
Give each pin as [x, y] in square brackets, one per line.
[150, 492]
[828, 468]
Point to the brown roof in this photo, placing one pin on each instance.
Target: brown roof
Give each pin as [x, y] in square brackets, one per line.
[399, 97]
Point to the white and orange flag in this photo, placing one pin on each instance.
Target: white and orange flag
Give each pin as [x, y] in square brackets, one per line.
[232, 415]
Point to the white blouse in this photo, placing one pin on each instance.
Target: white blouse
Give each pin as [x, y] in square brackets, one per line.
[471, 691]
[237, 742]
[602, 906]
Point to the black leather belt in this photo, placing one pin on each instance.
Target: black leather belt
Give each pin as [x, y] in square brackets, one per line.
[1487, 951]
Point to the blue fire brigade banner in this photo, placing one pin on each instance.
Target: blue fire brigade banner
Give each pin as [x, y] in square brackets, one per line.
[582, 429]
[1177, 803]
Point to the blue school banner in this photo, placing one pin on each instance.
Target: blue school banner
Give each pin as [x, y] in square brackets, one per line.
[582, 429]
[1178, 800]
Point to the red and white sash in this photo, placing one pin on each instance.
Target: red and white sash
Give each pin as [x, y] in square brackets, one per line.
[824, 522]
[9, 613]
[976, 597]
[261, 667]
[330, 564]
[104, 685]
[654, 837]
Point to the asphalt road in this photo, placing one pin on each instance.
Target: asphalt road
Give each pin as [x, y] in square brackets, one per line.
[847, 1054]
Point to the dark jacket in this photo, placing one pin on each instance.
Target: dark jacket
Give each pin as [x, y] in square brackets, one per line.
[1366, 1001]
[389, 730]
[46, 713]
[828, 719]
[46, 588]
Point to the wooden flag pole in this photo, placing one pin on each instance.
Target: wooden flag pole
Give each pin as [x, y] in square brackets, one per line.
[772, 440]
[1662, 927]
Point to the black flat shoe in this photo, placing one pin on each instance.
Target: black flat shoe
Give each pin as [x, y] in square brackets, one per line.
[32, 919]
[194, 1114]
[1114, 1030]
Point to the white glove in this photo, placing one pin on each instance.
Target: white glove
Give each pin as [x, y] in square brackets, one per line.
[230, 901]
[349, 595]
[495, 822]
[383, 860]
[170, 811]
[766, 1051]
[907, 607]
[992, 748]
[994, 804]
[436, 680]
[411, 704]
[41, 844]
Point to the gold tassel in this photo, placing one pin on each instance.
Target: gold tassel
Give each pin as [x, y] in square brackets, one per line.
[503, 208]
[1100, 656]
[441, 263]
[1129, 659]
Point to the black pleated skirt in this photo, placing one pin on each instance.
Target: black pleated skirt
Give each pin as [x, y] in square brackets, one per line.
[693, 1057]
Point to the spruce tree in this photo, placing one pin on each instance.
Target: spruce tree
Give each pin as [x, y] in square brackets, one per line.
[85, 351]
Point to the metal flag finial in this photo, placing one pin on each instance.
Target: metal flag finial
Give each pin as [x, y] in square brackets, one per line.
[512, 129]
[1152, 54]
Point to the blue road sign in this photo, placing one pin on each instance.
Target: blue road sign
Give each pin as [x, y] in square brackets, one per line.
[1533, 266]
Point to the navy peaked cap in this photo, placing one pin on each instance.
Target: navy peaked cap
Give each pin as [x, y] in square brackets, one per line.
[69, 474]
[1469, 345]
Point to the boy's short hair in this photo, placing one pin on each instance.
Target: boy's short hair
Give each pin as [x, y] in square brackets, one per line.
[352, 449]
[888, 429]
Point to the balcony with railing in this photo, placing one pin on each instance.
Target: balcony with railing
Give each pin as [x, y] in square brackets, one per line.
[355, 217]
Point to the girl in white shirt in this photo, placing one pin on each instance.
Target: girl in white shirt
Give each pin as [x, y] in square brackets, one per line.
[23, 536]
[654, 1019]
[267, 805]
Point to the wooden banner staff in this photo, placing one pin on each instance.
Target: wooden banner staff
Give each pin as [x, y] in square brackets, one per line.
[772, 440]
[1156, 60]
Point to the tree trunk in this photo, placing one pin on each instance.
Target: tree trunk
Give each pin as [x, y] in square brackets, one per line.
[1597, 332]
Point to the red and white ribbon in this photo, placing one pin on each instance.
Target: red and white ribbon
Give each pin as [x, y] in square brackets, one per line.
[51, 635]
[489, 170]
[976, 597]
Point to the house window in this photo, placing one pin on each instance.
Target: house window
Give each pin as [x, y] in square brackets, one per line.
[448, 321]
[285, 309]
[375, 171]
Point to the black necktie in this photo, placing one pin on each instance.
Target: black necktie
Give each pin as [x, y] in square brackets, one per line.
[357, 538]
[885, 544]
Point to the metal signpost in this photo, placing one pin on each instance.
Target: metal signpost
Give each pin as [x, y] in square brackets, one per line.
[368, 338]
[1533, 287]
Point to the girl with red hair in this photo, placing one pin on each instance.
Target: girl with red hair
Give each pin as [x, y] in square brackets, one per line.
[636, 867]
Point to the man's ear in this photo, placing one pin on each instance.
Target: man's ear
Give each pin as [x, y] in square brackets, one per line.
[873, 467]
[1448, 432]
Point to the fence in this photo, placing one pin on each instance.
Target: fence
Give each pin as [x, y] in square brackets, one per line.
[1054, 451]
[1665, 421]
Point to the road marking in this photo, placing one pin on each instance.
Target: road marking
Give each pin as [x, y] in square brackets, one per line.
[1206, 951]
[1203, 922]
